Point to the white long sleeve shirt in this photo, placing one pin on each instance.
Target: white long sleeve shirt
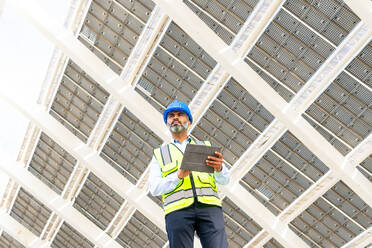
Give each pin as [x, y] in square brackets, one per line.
[159, 185]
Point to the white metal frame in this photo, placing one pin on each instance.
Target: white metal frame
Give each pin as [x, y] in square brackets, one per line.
[53, 201]
[90, 159]
[90, 63]
[288, 116]
[110, 176]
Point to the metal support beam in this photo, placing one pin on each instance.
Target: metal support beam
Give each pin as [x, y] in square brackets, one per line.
[353, 159]
[9, 194]
[150, 34]
[106, 120]
[19, 232]
[92, 65]
[347, 50]
[263, 217]
[255, 24]
[252, 28]
[259, 240]
[28, 144]
[359, 153]
[207, 93]
[259, 147]
[273, 102]
[76, 15]
[56, 203]
[307, 95]
[308, 197]
[52, 227]
[120, 219]
[90, 159]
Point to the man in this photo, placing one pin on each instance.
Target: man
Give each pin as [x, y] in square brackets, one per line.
[190, 198]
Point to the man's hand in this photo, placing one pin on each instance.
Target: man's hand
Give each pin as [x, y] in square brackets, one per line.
[183, 173]
[215, 162]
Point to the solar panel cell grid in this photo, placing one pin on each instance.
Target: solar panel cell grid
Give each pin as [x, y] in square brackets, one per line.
[367, 164]
[97, 201]
[129, 146]
[339, 145]
[291, 49]
[141, 232]
[6, 241]
[30, 212]
[343, 110]
[69, 237]
[285, 172]
[332, 218]
[230, 15]
[229, 116]
[113, 28]
[330, 18]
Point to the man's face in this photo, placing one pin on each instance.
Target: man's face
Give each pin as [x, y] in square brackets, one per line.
[177, 121]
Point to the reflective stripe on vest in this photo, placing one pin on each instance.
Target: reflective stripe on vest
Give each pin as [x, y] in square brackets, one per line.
[188, 193]
[169, 157]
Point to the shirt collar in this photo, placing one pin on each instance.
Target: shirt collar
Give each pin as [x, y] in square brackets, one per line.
[188, 140]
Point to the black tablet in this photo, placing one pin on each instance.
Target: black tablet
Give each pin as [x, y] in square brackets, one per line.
[195, 155]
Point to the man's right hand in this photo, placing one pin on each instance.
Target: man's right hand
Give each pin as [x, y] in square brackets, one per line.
[183, 173]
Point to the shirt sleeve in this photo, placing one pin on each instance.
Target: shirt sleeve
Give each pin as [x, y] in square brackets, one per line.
[222, 177]
[159, 185]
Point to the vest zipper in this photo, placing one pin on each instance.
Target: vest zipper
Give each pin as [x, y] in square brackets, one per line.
[193, 187]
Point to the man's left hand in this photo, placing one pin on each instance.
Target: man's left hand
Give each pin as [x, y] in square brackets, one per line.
[215, 161]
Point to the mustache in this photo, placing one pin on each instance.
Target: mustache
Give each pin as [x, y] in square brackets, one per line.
[175, 122]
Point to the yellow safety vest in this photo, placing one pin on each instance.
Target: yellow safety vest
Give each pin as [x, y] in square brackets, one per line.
[169, 157]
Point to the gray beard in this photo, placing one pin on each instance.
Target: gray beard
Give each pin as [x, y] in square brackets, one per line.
[178, 128]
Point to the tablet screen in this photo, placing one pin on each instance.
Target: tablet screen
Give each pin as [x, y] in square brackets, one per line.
[195, 155]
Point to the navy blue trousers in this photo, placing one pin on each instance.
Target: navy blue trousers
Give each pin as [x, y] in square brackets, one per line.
[206, 220]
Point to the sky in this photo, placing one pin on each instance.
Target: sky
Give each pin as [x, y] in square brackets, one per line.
[24, 58]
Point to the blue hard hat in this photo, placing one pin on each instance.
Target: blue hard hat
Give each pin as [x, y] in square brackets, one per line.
[174, 106]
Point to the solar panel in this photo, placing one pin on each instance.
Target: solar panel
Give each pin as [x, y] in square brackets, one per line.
[224, 17]
[51, 163]
[233, 121]
[335, 218]
[79, 102]
[176, 70]
[7, 241]
[30, 212]
[67, 236]
[284, 173]
[112, 28]
[141, 232]
[240, 228]
[330, 18]
[291, 42]
[129, 146]
[97, 201]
